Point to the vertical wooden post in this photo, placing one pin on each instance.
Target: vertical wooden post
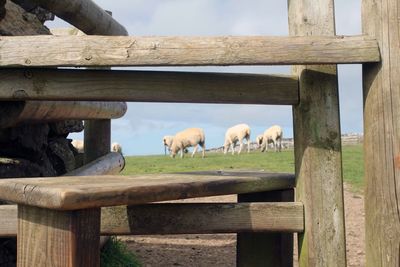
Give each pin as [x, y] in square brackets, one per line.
[58, 238]
[317, 139]
[97, 139]
[265, 249]
[381, 82]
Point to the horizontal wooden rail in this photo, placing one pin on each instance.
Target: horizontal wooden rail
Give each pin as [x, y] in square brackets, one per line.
[42, 111]
[147, 86]
[83, 14]
[74, 193]
[109, 164]
[187, 218]
[86, 51]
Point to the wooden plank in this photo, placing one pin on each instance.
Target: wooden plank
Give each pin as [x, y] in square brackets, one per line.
[97, 139]
[381, 84]
[58, 238]
[147, 86]
[86, 51]
[69, 193]
[111, 163]
[318, 160]
[83, 14]
[45, 111]
[186, 218]
[265, 249]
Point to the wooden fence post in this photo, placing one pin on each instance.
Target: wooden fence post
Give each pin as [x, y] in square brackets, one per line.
[265, 249]
[317, 140]
[381, 82]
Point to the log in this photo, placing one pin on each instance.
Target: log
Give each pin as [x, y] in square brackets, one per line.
[381, 86]
[47, 111]
[16, 21]
[81, 192]
[96, 51]
[147, 86]
[318, 152]
[110, 164]
[84, 15]
[186, 218]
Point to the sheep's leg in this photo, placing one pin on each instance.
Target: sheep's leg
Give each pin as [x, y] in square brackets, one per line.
[203, 148]
[182, 152]
[248, 145]
[280, 144]
[195, 150]
[240, 146]
[233, 148]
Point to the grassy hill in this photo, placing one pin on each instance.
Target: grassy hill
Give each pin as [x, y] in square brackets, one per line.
[275, 162]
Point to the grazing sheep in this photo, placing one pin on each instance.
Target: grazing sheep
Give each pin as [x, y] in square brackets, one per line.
[272, 135]
[236, 134]
[187, 138]
[167, 140]
[115, 147]
[78, 144]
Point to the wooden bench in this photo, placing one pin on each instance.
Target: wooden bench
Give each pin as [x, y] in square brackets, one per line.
[59, 219]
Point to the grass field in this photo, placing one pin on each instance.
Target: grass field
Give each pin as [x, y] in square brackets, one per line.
[275, 162]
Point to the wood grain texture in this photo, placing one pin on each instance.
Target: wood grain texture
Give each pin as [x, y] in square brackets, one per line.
[186, 218]
[58, 238]
[381, 84]
[84, 15]
[318, 144]
[111, 163]
[70, 193]
[16, 21]
[46, 111]
[262, 248]
[97, 139]
[92, 51]
[148, 86]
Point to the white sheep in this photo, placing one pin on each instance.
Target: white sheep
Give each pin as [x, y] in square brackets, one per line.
[236, 134]
[167, 141]
[272, 135]
[115, 147]
[78, 144]
[187, 138]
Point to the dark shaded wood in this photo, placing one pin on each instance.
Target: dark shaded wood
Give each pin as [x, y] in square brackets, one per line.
[58, 238]
[97, 51]
[318, 158]
[49, 111]
[381, 86]
[265, 249]
[148, 86]
[69, 193]
[86, 15]
[97, 139]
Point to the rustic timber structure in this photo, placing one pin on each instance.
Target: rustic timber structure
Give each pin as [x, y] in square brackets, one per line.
[314, 211]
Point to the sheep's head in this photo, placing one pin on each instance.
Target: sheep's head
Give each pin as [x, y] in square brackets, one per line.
[174, 150]
[259, 140]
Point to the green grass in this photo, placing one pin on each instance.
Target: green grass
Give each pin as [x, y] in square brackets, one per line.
[271, 161]
[116, 254]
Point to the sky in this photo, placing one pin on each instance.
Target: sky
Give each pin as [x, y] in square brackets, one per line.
[141, 130]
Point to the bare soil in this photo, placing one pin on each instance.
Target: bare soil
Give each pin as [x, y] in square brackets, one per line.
[220, 250]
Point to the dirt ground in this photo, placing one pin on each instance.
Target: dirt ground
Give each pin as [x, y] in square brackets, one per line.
[220, 250]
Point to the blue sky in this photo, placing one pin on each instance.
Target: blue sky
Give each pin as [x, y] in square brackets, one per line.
[141, 130]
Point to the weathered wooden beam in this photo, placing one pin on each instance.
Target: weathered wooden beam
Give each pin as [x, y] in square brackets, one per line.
[78, 192]
[381, 86]
[84, 15]
[41, 111]
[58, 238]
[187, 218]
[111, 163]
[147, 86]
[265, 248]
[86, 51]
[318, 157]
